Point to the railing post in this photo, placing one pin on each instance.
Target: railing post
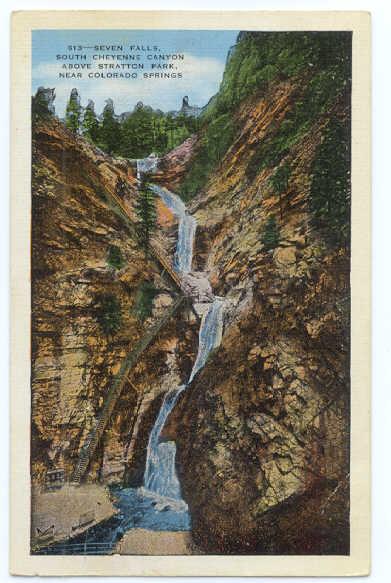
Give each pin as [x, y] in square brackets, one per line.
[98, 429]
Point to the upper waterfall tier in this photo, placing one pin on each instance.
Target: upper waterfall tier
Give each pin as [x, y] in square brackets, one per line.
[186, 230]
[146, 165]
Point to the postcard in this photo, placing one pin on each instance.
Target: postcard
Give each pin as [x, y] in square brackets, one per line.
[190, 372]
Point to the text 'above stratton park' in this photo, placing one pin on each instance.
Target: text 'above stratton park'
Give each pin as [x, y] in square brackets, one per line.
[119, 62]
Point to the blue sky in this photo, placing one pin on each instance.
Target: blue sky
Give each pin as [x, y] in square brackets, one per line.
[205, 53]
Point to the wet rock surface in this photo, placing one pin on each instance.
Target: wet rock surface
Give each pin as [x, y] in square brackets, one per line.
[87, 271]
[263, 431]
[196, 286]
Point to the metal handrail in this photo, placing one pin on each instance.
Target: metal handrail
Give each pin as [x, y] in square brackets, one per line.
[92, 439]
[157, 255]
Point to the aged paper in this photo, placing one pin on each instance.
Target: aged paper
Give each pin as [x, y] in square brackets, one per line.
[190, 374]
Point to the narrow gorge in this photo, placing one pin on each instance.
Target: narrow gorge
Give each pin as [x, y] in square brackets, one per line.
[191, 319]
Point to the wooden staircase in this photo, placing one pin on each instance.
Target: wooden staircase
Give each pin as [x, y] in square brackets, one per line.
[164, 263]
[118, 383]
[130, 360]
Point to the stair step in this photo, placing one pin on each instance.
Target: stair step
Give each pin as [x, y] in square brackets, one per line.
[100, 424]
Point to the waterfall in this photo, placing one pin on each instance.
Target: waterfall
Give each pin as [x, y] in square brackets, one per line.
[187, 224]
[160, 475]
[146, 165]
[186, 229]
[209, 335]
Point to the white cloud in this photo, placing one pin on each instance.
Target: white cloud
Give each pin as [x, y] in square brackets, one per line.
[201, 77]
[45, 72]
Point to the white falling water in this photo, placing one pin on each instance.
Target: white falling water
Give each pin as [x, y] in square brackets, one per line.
[186, 229]
[160, 475]
[146, 165]
[209, 336]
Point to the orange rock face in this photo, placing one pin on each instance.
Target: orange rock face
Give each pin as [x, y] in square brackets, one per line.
[166, 218]
[263, 432]
[75, 290]
[175, 164]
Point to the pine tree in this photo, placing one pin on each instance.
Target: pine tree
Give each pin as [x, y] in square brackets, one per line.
[271, 234]
[170, 128]
[109, 313]
[279, 182]
[90, 124]
[73, 112]
[138, 133]
[146, 212]
[330, 187]
[115, 257]
[110, 133]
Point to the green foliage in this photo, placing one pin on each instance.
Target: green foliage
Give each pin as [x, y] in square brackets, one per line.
[271, 234]
[144, 300]
[280, 178]
[216, 140]
[146, 211]
[137, 135]
[90, 124]
[279, 182]
[73, 112]
[260, 58]
[330, 67]
[109, 313]
[255, 62]
[110, 130]
[330, 186]
[145, 131]
[115, 257]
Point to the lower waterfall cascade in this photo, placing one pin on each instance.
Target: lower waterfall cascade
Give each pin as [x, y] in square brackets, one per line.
[160, 474]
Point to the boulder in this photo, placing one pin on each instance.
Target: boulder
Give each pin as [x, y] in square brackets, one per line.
[197, 286]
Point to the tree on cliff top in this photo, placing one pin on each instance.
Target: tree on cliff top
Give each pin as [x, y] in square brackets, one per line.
[90, 124]
[110, 132]
[73, 112]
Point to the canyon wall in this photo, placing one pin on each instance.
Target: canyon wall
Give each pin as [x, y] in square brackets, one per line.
[94, 293]
[263, 431]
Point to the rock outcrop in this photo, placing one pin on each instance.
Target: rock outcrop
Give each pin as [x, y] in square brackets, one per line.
[94, 295]
[189, 110]
[174, 165]
[263, 431]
